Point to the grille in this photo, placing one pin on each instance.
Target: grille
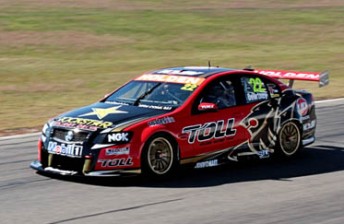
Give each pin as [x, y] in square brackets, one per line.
[67, 163]
[77, 136]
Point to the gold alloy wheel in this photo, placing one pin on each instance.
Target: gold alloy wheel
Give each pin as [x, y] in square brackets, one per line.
[290, 138]
[160, 155]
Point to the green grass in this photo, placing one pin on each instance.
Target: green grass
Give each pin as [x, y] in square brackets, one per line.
[55, 57]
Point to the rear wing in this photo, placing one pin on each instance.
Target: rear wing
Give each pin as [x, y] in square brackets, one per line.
[321, 77]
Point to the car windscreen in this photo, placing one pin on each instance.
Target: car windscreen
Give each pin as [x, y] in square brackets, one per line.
[158, 95]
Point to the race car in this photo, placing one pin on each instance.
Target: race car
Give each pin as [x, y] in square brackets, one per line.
[195, 116]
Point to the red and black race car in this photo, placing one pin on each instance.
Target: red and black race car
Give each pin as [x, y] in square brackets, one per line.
[201, 116]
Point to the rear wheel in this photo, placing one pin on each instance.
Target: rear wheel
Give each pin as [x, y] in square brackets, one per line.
[159, 157]
[289, 139]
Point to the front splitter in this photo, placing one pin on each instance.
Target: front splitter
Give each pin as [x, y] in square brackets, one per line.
[36, 165]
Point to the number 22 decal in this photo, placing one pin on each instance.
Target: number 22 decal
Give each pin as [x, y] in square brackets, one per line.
[189, 87]
[258, 85]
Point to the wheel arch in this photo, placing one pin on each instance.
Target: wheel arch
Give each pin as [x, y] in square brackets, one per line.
[298, 122]
[149, 134]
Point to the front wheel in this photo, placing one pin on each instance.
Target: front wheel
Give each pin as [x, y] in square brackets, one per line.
[159, 157]
[289, 140]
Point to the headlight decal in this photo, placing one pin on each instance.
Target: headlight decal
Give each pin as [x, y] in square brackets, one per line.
[100, 146]
[46, 130]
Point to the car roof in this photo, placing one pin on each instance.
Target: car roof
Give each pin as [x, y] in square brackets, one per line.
[193, 71]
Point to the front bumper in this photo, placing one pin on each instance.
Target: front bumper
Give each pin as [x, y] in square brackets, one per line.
[308, 141]
[36, 165]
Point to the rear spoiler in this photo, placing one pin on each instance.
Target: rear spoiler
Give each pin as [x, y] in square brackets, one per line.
[321, 77]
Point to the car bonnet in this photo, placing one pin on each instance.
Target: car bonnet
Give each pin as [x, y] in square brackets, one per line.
[103, 115]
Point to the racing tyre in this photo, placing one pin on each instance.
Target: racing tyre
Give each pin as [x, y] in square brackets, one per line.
[159, 157]
[289, 140]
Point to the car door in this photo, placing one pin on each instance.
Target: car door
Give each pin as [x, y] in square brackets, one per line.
[215, 120]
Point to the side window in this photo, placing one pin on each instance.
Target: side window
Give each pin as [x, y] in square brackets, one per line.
[254, 89]
[220, 92]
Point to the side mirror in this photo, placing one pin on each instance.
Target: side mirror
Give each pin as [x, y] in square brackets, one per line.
[102, 99]
[204, 106]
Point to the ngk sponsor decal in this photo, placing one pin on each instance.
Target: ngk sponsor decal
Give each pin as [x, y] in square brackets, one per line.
[210, 130]
[118, 137]
[72, 150]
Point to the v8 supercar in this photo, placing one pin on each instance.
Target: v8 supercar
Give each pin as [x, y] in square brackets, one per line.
[201, 116]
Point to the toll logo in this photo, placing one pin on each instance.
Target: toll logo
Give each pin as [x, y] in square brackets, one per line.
[116, 162]
[210, 130]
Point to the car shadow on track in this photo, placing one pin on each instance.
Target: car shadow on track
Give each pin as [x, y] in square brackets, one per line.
[311, 161]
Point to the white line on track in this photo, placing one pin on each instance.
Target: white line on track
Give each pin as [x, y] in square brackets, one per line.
[329, 101]
[20, 136]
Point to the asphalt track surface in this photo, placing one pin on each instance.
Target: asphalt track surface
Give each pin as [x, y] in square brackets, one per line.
[307, 189]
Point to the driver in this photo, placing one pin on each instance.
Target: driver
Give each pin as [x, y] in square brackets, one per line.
[219, 95]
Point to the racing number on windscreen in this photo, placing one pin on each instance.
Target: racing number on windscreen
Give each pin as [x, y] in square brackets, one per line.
[257, 84]
[189, 87]
[254, 89]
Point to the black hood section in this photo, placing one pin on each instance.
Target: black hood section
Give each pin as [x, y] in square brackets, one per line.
[114, 113]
